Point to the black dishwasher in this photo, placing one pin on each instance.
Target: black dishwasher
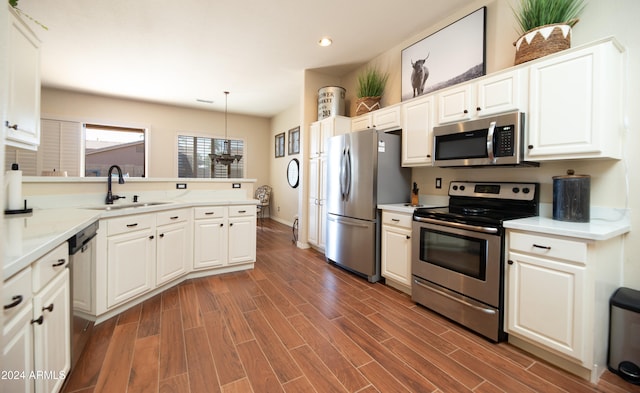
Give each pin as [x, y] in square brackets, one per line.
[82, 266]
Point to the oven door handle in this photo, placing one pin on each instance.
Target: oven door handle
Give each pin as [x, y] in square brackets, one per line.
[458, 298]
[458, 225]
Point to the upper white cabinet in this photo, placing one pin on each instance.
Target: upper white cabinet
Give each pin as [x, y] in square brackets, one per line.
[385, 119]
[324, 129]
[417, 131]
[497, 93]
[22, 126]
[575, 106]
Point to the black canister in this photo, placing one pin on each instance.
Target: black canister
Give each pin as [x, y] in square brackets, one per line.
[571, 197]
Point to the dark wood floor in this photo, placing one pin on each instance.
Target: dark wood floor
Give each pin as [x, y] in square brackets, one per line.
[298, 324]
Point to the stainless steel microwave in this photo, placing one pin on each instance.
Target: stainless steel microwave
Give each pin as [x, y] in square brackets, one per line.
[494, 140]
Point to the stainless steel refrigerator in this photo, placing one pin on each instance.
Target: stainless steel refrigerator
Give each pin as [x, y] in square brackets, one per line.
[363, 170]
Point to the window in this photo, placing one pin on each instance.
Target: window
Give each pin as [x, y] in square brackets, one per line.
[194, 159]
[107, 145]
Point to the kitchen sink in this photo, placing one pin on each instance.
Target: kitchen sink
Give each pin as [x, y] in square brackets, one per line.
[127, 206]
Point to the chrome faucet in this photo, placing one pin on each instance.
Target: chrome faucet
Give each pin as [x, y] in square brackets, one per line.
[110, 196]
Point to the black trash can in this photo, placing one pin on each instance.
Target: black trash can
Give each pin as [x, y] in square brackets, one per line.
[624, 334]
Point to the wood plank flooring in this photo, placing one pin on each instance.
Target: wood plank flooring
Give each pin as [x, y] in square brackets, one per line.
[298, 324]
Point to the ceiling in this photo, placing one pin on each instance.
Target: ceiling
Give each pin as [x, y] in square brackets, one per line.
[177, 52]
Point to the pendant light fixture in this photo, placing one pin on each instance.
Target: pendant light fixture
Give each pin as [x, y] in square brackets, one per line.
[226, 158]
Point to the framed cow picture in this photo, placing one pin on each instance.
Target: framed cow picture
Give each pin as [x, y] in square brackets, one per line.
[449, 56]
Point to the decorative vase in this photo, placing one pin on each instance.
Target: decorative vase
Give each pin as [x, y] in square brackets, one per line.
[542, 41]
[367, 104]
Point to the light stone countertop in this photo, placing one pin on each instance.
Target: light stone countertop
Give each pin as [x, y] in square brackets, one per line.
[605, 223]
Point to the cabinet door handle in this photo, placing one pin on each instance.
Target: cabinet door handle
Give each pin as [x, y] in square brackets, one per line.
[543, 247]
[48, 308]
[478, 109]
[132, 225]
[395, 220]
[60, 262]
[221, 224]
[510, 262]
[242, 211]
[39, 320]
[174, 217]
[465, 111]
[408, 237]
[208, 213]
[162, 235]
[530, 147]
[15, 126]
[231, 224]
[151, 237]
[15, 301]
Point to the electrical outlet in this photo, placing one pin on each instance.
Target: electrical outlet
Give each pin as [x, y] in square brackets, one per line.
[235, 185]
[438, 182]
[181, 186]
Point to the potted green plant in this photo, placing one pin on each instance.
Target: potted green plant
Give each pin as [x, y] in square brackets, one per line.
[545, 27]
[371, 84]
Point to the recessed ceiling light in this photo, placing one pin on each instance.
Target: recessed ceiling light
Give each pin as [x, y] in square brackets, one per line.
[325, 41]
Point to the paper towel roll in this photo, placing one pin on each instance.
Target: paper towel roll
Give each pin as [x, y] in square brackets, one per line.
[13, 182]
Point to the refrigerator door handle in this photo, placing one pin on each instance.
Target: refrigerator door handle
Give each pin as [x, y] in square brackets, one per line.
[347, 191]
[342, 174]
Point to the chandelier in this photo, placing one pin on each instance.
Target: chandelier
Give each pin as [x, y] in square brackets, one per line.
[226, 158]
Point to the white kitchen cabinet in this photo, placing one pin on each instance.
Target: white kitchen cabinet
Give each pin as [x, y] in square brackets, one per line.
[557, 291]
[385, 119]
[210, 237]
[22, 127]
[498, 93]
[131, 257]
[317, 192]
[324, 129]
[417, 131]
[224, 235]
[17, 332]
[52, 333]
[242, 234]
[396, 250]
[36, 335]
[174, 247]
[575, 104]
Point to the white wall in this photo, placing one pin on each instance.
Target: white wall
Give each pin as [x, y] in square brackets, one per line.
[164, 122]
[602, 18]
[284, 200]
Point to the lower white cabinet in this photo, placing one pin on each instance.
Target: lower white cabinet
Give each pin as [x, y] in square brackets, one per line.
[396, 250]
[131, 257]
[224, 236]
[557, 292]
[36, 335]
[173, 245]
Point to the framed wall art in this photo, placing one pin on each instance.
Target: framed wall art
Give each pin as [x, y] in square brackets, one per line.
[294, 141]
[449, 56]
[280, 145]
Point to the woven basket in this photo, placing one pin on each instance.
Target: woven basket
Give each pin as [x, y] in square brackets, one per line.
[542, 41]
[367, 104]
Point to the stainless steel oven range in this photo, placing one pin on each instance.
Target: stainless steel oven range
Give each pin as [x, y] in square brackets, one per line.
[458, 252]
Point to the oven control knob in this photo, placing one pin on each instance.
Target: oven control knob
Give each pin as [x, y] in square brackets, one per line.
[526, 190]
[515, 190]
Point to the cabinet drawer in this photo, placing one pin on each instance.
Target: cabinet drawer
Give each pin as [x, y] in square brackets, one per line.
[17, 292]
[209, 212]
[398, 219]
[130, 223]
[551, 247]
[172, 216]
[242, 210]
[47, 267]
